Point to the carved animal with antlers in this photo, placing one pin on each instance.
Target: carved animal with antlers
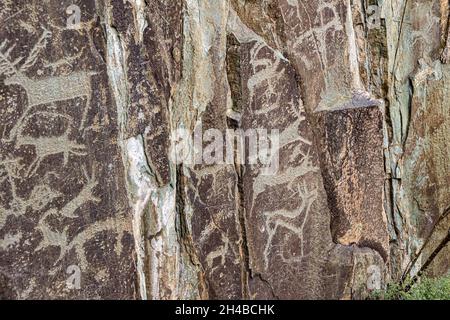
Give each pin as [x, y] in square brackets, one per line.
[49, 89]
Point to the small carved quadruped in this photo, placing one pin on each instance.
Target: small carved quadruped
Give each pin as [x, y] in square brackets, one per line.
[47, 146]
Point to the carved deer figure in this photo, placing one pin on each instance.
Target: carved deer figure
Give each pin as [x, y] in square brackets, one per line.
[47, 146]
[49, 89]
[287, 219]
[86, 195]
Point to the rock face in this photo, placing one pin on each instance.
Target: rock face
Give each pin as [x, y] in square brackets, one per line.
[353, 174]
[65, 216]
[222, 149]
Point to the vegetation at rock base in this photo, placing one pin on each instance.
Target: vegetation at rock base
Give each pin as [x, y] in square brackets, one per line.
[424, 289]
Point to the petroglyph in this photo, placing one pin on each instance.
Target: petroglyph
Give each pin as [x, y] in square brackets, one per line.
[420, 33]
[92, 190]
[60, 238]
[60, 203]
[316, 34]
[287, 177]
[322, 46]
[288, 220]
[60, 88]
[265, 72]
[52, 237]
[40, 196]
[220, 253]
[66, 61]
[48, 89]
[47, 146]
[86, 195]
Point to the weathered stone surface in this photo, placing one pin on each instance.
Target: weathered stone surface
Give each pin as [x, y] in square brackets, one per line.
[212, 198]
[63, 212]
[345, 103]
[419, 127]
[146, 43]
[286, 209]
[287, 220]
[351, 147]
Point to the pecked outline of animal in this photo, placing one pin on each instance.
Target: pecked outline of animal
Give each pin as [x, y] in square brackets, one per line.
[47, 146]
[85, 195]
[284, 219]
[49, 89]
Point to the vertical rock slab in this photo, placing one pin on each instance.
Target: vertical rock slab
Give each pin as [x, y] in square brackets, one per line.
[419, 147]
[290, 250]
[369, 23]
[321, 42]
[352, 165]
[65, 228]
[286, 209]
[425, 189]
[145, 43]
[208, 199]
